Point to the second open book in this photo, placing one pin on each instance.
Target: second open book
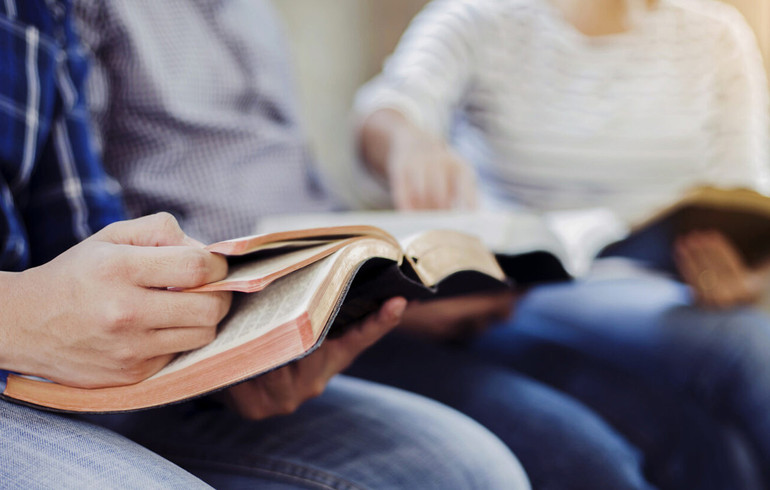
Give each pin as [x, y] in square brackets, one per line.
[296, 286]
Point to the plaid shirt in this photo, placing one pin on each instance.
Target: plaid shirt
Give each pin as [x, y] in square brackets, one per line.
[53, 189]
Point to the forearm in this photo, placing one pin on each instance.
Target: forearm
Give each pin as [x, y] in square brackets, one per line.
[13, 303]
[420, 168]
[32, 302]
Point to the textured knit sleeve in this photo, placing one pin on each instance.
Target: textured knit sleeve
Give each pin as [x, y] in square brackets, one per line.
[740, 150]
[425, 78]
[432, 66]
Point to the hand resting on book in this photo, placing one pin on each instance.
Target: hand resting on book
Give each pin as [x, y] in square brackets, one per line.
[282, 391]
[712, 266]
[100, 314]
[422, 170]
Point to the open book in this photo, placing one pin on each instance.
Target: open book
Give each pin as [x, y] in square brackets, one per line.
[292, 289]
[741, 215]
[537, 247]
[530, 247]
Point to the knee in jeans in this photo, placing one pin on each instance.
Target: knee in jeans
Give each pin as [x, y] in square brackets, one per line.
[473, 456]
[435, 446]
[734, 359]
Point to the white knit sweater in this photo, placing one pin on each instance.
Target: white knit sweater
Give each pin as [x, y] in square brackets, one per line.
[555, 119]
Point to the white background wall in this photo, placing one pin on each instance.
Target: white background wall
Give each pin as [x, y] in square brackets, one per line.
[337, 46]
[757, 12]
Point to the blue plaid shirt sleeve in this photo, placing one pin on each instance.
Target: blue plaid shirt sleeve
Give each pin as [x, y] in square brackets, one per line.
[54, 191]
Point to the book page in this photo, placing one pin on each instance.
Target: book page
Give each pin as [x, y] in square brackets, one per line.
[503, 232]
[511, 233]
[291, 244]
[256, 274]
[286, 236]
[574, 236]
[259, 269]
[584, 233]
[256, 314]
[437, 254]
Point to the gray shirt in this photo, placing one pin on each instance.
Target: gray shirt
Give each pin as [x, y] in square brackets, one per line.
[195, 111]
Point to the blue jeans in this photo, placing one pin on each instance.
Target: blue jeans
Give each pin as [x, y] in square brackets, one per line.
[356, 435]
[646, 330]
[561, 443]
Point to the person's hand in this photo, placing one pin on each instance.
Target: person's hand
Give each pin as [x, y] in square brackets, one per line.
[425, 173]
[100, 314]
[458, 317]
[715, 271]
[422, 170]
[280, 392]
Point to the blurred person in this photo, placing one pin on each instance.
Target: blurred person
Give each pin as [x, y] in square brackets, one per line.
[194, 105]
[564, 104]
[555, 104]
[94, 310]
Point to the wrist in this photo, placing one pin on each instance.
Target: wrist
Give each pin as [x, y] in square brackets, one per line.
[757, 284]
[412, 144]
[18, 304]
[9, 305]
[384, 135]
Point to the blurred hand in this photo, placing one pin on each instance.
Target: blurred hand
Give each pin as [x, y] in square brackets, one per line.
[425, 173]
[715, 271]
[100, 314]
[282, 391]
[459, 317]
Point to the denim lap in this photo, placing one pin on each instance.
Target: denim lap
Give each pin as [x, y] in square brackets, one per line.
[648, 328]
[48, 450]
[356, 435]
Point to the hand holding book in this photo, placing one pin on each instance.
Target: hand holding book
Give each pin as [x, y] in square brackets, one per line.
[281, 391]
[263, 332]
[100, 315]
[712, 266]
